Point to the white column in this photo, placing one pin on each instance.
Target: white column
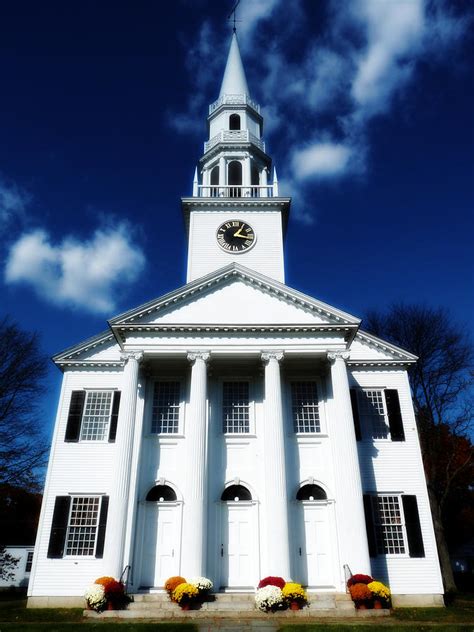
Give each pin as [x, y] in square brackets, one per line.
[352, 534]
[276, 500]
[264, 182]
[118, 508]
[222, 176]
[195, 502]
[247, 175]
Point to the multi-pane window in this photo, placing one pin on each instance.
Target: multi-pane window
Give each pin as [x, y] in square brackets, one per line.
[388, 522]
[29, 562]
[82, 526]
[166, 407]
[236, 407]
[96, 417]
[305, 407]
[373, 413]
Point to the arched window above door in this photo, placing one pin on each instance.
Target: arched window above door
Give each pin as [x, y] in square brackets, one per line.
[311, 492]
[236, 493]
[234, 121]
[161, 493]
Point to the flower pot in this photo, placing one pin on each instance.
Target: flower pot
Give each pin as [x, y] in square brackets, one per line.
[185, 606]
[362, 606]
[110, 605]
[294, 605]
[378, 604]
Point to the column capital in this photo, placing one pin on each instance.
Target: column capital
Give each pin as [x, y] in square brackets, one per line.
[125, 356]
[272, 355]
[338, 355]
[192, 356]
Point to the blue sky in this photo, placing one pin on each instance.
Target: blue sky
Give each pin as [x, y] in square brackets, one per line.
[368, 109]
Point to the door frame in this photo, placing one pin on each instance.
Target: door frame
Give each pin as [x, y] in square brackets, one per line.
[255, 526]
[141, 524]
[298, 526]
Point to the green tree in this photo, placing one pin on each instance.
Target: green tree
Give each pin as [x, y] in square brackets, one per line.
[441, 383]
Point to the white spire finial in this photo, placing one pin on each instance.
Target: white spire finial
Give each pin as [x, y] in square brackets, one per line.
[234, 81]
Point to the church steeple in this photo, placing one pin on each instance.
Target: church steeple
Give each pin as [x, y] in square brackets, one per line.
[235, 212]
[234, 81]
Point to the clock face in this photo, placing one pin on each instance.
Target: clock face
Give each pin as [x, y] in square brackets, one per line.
[235, 236]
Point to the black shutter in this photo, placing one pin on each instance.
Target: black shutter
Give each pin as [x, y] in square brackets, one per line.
[355, 414]
[74, 419]
[57, 536]
[394, 415]
[413, 528]
[114, 416]
[104, 507]
[369, 525]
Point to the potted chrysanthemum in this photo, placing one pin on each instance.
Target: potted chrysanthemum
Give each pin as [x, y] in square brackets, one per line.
[294, 595]
[380, 593]
[185, 594]
[173, 582]
[95, 598]
[361, 595]
[269, 598]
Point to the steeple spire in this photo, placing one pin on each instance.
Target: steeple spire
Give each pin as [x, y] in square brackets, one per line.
[234, 81]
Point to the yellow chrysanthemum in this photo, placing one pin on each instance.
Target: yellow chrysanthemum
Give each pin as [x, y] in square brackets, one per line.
[379, 590]
[292, 590]
[184, 591]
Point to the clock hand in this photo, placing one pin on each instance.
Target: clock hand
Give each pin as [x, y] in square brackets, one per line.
[237, 234]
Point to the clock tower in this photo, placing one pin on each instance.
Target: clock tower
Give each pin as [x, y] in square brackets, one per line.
[235, 213]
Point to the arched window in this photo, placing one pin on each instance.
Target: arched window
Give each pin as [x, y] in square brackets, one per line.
[234, 179]
[311, 492]
[234, 121]
[215, 182]
[236, 493]
[161, 493]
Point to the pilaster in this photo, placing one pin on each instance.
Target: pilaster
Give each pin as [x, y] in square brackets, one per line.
[276, 498]
[352, 534]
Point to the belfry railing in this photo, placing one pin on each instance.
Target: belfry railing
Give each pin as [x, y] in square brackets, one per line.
[236, 191]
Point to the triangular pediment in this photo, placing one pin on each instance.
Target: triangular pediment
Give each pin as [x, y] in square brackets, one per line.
[369, 349]
[234, 295]
[102, 349]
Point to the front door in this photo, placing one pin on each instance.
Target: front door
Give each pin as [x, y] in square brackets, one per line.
[160, 554]
[238, 559]
[315, 545]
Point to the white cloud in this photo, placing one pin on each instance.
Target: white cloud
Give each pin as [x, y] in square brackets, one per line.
[13, 202]
[86, 275]
[320, 160]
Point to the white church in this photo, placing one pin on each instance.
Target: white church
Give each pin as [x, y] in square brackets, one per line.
[235, 428]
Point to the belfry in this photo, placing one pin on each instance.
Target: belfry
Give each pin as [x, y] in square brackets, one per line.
[235, 427]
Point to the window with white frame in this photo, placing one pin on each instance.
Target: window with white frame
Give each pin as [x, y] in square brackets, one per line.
[82, 526]
[29, 562]
[373, 413]
[96, 416]
[305, 406]
[166, 407]
[389, 524]
[236, 407]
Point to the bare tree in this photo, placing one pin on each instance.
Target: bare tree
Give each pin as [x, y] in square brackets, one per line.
[441, 384]
[22, 371]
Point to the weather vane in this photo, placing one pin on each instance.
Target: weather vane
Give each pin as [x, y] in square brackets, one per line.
[234, 14]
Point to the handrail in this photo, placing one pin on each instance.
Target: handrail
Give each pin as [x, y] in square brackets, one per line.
[235, 191]
[126, 573]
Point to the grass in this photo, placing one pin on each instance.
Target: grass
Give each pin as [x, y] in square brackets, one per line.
[370, 627]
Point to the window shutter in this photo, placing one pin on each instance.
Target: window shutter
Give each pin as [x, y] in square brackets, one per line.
[369, 525]
[104, 507]
[57, 536]
[394, 415]
[114, 416]
[355, 414]
[76, 408]
[413, 528]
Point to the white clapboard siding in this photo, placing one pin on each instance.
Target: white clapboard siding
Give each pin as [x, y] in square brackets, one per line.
[204, 254]
[396, 466]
